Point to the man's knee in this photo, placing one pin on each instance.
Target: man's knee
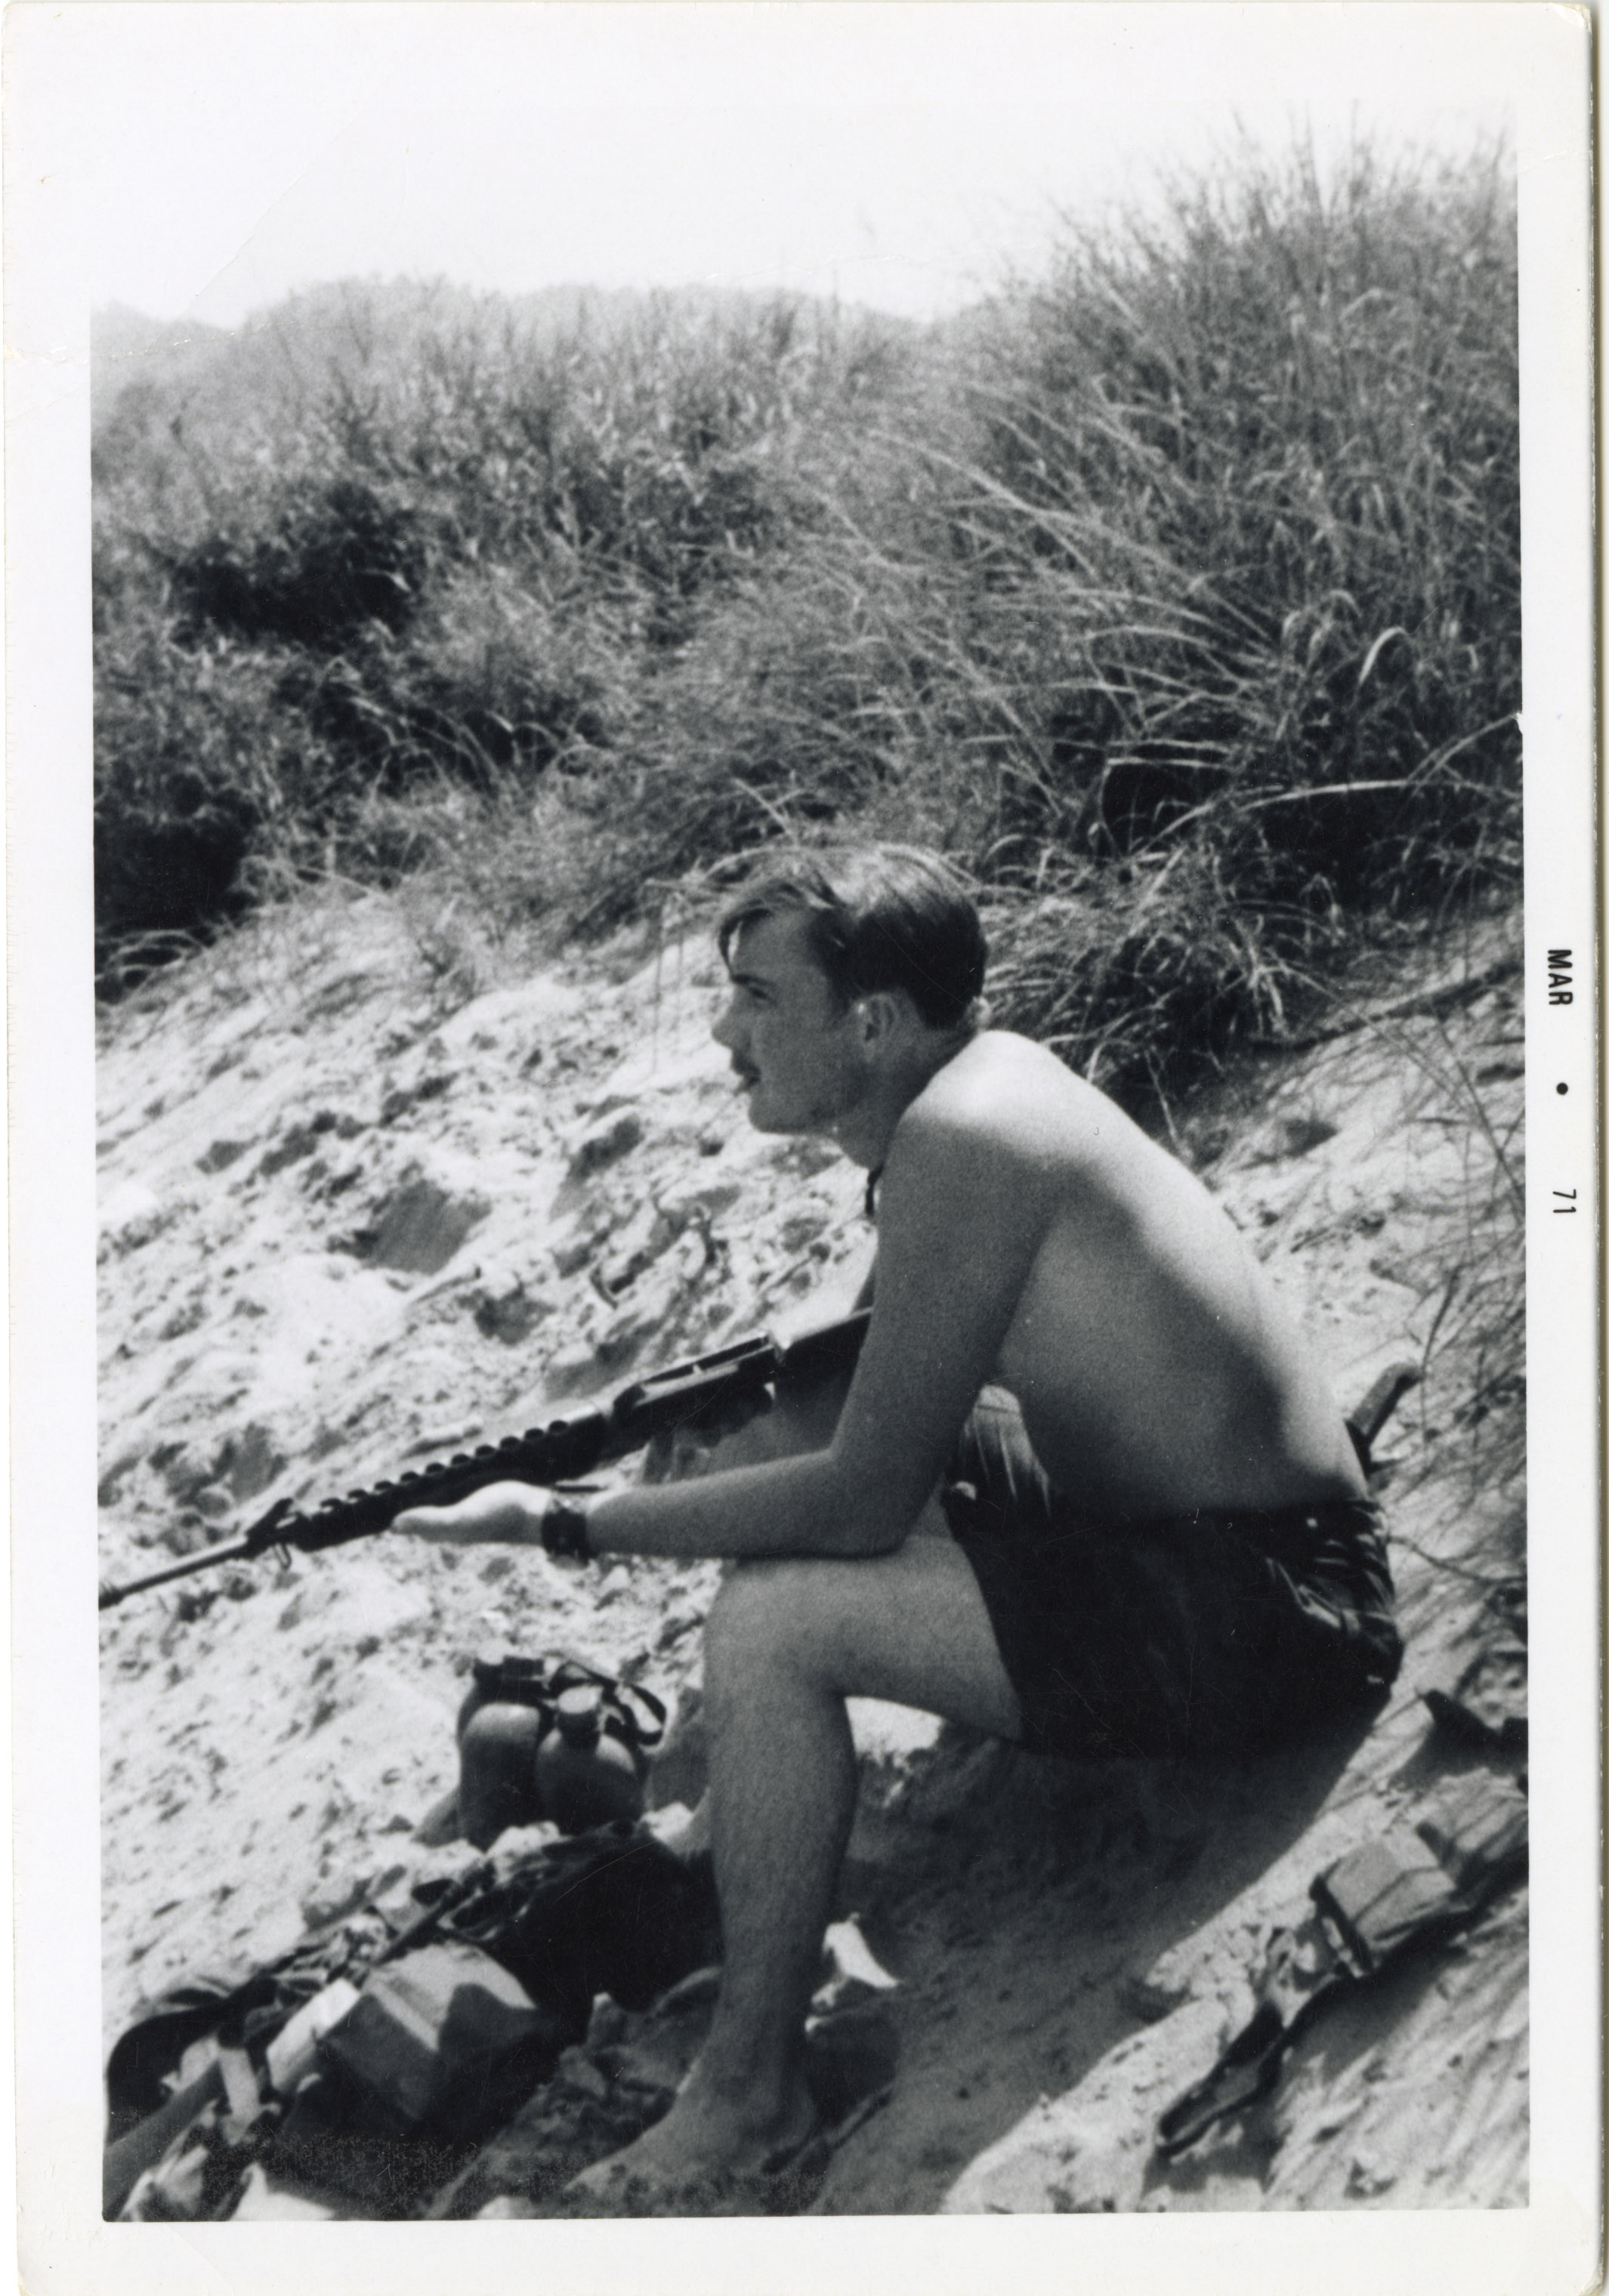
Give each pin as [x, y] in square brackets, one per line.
[911, 1626]
[775, 1613]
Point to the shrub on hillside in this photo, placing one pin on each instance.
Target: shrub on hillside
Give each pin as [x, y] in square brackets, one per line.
[428, 543]
[204, 782]
[327, 562]
[1264, 463]
[1259, 471]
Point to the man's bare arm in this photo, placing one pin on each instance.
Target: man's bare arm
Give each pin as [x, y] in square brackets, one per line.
[961, 1219]
[961, 1215]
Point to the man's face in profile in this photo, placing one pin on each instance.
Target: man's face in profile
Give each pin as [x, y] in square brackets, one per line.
[794, 1047]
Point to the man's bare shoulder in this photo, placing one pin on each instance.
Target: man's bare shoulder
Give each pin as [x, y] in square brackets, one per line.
[1004, 1090]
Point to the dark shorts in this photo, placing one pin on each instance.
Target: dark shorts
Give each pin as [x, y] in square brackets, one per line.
[1205, 1634]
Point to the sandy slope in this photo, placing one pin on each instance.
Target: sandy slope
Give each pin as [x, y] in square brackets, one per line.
[349, 1217]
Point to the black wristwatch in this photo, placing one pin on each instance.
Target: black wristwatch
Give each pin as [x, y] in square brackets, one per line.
[564, 1531]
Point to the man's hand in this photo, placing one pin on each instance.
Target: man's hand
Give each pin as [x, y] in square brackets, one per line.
[511, 1513]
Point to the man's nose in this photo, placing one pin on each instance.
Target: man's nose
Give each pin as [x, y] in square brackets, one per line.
[726, 1030]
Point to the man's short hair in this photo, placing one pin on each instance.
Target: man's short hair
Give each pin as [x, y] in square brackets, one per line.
[881, 916]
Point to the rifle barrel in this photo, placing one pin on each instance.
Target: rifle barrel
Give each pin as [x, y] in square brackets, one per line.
[242, 1551]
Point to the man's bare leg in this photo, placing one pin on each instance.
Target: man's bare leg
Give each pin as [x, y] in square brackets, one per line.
[786, 1644]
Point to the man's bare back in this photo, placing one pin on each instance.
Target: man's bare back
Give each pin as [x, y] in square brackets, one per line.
[1156, 1371]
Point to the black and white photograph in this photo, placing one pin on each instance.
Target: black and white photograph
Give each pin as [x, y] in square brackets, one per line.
[803, 964]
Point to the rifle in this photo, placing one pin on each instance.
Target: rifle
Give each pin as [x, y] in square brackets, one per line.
[562, 1452]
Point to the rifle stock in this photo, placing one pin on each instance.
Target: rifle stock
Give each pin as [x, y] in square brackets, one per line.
[562, 1452]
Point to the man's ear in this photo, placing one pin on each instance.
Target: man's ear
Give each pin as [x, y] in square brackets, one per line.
[880, 1015]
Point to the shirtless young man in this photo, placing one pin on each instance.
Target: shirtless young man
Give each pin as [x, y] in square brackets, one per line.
[1087, 1489]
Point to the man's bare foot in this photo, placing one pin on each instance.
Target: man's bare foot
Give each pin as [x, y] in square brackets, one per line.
[709, 2155]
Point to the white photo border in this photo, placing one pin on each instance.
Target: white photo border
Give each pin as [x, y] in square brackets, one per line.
[1544, 55]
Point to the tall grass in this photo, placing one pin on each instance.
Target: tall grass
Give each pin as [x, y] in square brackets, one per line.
[1175, 593]
[383, 545]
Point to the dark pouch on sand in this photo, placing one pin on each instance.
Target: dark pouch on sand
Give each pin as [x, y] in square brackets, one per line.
[611, 1911]
[1405, 1890]
[1470, 1842]
[444, 2037]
